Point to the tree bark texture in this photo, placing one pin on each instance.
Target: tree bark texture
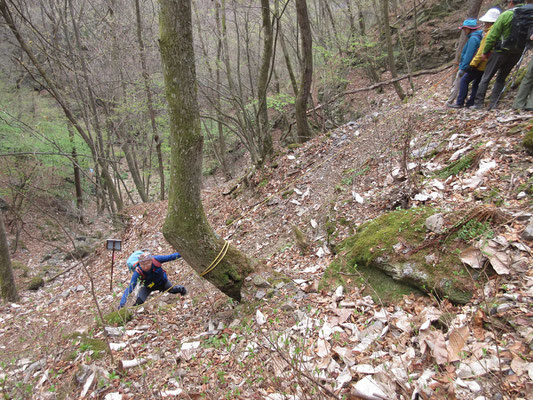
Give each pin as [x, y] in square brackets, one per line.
[186, 226]
[7, 281]
[306, 76]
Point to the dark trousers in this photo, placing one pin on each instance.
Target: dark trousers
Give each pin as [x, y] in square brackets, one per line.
[499, 63]
[473, 76]
[144, 291]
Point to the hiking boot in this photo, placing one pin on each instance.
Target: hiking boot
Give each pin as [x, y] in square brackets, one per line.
[476, 107]
[454, 106]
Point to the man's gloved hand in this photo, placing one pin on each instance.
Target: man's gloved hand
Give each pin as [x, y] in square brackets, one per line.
[182, 290]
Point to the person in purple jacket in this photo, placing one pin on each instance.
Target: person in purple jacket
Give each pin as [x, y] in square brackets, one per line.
[149, 271]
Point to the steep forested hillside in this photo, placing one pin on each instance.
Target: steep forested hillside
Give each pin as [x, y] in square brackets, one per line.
[389, 250]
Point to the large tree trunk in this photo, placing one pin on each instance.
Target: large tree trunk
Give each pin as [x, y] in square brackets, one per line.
[186, 226]
[7, 282]
[390, 51]
[306, 76]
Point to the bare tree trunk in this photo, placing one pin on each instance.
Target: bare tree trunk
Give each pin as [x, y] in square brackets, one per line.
[186, 226]
[390, 50]
[149, 101]
[77, 177]
[113, 192]
[306, 76]
[221, 139]
[262, 86]
[7, 281]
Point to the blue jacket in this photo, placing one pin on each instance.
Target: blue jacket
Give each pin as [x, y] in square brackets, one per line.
[151, 279]
[470, 49]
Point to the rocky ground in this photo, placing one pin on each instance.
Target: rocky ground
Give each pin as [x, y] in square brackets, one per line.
[292, 338]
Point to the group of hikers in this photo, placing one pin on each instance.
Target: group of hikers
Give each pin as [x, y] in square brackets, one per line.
[495, 50]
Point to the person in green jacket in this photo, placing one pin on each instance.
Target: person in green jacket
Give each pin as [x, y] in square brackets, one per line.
[501, 60]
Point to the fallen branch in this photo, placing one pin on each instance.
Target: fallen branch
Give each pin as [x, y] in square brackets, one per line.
[381, 84]
[126, 364]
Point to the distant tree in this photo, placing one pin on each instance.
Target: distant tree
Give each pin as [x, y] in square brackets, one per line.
[306, 76]
[186, 226]
[7, 282]
[390, 51]
[262, 86]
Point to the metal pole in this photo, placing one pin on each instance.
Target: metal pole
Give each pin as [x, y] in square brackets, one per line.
[112, 263]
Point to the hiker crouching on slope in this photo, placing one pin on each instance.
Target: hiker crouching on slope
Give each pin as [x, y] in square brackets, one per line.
[149, 271]
[470, 26]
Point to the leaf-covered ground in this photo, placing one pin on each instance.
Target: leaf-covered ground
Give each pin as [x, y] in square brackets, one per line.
[291, 338]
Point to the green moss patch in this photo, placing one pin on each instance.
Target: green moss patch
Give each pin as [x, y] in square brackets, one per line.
[118, 318]
[84, 343]
[457, 167]
[386, 256]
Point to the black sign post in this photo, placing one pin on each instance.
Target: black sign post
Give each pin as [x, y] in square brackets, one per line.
[113, 245]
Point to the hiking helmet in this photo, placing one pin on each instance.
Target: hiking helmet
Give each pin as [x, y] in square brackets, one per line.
[470, 23]
[491, 15]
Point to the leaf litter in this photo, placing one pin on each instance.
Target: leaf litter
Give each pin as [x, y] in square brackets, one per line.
[298, 340]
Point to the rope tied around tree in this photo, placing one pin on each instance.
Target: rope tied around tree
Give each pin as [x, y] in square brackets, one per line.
[217, 259]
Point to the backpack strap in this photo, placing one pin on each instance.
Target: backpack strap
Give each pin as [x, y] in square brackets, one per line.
[139, 270]
[155, 263]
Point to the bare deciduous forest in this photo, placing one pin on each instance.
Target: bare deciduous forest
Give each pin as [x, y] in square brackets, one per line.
[342, 233]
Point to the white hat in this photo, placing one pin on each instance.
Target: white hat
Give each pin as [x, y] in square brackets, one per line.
[491, 15]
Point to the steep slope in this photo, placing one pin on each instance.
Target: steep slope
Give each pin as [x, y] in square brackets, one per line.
[290, 339]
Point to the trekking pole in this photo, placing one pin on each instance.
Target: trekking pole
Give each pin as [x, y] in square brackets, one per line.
[112, 263]
[512, 81]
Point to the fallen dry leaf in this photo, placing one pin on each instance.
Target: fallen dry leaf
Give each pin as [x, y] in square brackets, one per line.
[458, 338]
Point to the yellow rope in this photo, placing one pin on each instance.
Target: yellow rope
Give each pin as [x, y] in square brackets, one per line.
[217, 259]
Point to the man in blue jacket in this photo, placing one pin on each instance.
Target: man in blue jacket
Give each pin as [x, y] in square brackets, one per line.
[149, 271]
[471, 28]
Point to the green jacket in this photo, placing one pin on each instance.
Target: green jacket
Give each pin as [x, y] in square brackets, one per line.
[499, 32]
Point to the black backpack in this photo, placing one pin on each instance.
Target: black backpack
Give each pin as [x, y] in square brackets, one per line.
[521, 28]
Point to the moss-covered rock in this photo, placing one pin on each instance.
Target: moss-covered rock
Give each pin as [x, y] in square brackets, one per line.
[36, 282]
[392, 244]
